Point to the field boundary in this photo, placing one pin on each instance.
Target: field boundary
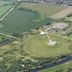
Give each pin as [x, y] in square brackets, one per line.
[11, 9]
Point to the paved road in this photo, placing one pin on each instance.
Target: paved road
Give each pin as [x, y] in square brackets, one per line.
[7, 13]
[62, 61]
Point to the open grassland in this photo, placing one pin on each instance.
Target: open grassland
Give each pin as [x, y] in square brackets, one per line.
[4, 9]
[60, 68]
[42, 8]
[19, 21]
[37, 45]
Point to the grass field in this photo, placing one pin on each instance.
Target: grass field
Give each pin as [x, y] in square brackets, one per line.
[45, 9]
[36, 45]
[19, 21]
[60, 68]
[4, 9]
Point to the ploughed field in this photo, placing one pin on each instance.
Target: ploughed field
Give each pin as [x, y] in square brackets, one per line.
[22, 20]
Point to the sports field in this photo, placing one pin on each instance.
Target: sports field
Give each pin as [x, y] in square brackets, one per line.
[37, 45]
[43, 8]
[19, 21]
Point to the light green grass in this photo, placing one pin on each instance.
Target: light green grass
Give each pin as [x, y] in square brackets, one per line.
[45, 9]
[36, 45]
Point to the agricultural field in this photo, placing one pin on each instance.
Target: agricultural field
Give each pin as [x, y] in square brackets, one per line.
[62, 13]
[4, 9]
[33, 50]
[37, 45]
[5, 3]
[45, 9]
[19, 21]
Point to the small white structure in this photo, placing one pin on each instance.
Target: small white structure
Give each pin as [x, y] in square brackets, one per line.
[52, 43]
[22, 65]
[42, 33]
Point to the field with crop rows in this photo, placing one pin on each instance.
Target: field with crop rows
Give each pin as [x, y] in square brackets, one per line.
[19, 21]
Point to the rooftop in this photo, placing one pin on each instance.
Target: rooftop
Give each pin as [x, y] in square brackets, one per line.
[59, 25]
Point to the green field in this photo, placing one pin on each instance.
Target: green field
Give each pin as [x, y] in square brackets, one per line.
[42, 8]
[32, 50]
[19, 21]
[36, 45]
[60, 68]
[5, 3]
[4, 9]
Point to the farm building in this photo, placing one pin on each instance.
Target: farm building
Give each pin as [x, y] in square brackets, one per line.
[60, 25]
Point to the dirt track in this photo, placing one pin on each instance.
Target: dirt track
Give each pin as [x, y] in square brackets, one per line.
[62, 13]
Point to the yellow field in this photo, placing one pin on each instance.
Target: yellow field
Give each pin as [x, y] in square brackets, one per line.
[62, 13]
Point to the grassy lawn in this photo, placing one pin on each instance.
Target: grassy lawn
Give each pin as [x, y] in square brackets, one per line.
[45, 9]
[36, 45]
[19, 21]
[63, 68]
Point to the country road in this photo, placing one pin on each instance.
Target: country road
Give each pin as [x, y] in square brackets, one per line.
[59, 62]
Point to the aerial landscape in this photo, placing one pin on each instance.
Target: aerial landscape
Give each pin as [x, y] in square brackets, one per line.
[35, 35]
